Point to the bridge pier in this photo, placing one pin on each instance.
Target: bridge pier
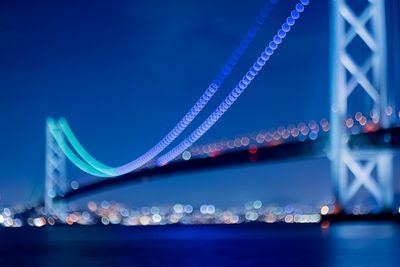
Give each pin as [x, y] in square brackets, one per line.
[55, 180]
[359, 85]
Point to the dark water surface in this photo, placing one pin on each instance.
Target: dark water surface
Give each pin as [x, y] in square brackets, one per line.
[342, 244]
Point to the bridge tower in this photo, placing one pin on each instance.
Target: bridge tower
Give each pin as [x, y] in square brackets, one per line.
[358, 80]
[55, 180]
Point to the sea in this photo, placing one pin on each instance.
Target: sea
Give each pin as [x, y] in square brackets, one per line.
[337, 244]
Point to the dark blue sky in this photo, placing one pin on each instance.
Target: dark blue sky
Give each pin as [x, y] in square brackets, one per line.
[124, 73]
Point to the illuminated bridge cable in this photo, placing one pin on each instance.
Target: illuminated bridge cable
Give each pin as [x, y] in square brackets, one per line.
[55, 132]
[185, 121]
[94, 163]
[239, 89]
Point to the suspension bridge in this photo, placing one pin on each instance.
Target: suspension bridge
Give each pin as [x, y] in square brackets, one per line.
[360, 147]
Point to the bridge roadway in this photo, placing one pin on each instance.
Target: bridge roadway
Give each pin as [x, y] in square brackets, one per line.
[383, 139]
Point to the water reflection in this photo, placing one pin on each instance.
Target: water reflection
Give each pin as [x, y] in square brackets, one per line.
[339, 244]
[364, 244]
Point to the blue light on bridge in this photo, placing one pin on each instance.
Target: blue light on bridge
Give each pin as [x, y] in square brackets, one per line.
[94, 167]
[232, 97]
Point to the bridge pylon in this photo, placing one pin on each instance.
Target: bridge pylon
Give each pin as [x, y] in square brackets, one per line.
[55, 180]
[358, 83]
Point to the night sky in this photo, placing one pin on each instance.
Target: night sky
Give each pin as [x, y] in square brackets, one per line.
[124, 73]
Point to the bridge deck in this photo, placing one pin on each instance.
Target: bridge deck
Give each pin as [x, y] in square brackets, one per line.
[385, 138]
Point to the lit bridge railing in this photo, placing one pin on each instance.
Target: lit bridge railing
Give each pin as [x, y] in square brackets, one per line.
[291, 150]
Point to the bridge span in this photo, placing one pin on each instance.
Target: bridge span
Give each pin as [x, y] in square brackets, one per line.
[383, 138]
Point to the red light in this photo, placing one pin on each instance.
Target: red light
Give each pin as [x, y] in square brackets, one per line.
[253, 149]
[325, 225]
[370, 128]
[214, 154]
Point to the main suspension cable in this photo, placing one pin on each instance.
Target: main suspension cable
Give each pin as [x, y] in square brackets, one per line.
[179, 128]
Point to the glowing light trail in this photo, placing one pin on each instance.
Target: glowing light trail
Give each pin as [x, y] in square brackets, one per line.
[54, 130]
[239, 89]
[185, 121]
